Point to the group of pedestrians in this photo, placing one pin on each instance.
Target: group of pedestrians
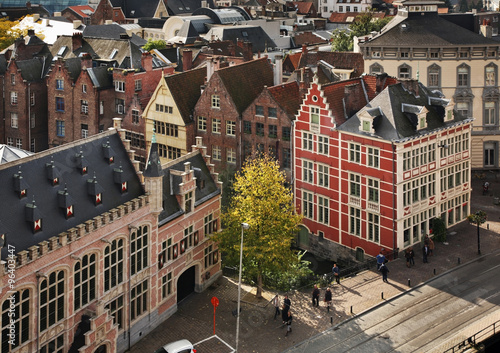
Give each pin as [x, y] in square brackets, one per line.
[327, 299]
[286, 314]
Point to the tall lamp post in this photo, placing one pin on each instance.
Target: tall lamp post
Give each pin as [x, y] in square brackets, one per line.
[478, 218]
[243, 227]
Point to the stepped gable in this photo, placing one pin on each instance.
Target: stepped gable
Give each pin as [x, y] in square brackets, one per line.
[287, 95]
[47, 174]
[185, 89]
[335, 94]
[244, 82]
[339, 60]
[377, 83]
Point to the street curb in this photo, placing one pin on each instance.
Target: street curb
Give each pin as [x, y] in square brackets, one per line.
[355, 316]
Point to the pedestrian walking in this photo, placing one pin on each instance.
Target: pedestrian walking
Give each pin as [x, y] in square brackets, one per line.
[315, 295]
[383, 268]
[336, 273]
[425, 252]
[286, 307]
[328, 299]
[380, 259]
[407, 257]
[431, 246]
[289, 323]
[412, 256]
[486, 186]
[276, 303]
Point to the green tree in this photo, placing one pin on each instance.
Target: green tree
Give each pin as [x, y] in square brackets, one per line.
[263, 202]
[342, 40]
[438, 229]
[7, 34]
[478, 218]
[154, 44]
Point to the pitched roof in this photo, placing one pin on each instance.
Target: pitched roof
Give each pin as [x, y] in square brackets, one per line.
[339, 60]
[185, 90]
[255, 34]
[287, 95]
[137, 8]
[303, 7]
[426, 30]
[395, 123]
[111, 31]
[39, 187]
[101, 77]
[84, 11]
[245, 81]
[10, 153]
[33, 70]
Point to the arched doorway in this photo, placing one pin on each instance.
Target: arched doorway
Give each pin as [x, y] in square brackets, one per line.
[185, 284]
[101, 349]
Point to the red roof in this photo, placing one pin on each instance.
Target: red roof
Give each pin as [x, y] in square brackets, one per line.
[80, 10]
[343, 17]
[287, 95]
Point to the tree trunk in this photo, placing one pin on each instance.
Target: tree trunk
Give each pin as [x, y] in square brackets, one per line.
[259, 286]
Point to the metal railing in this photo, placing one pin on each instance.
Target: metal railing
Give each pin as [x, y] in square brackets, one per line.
[474, 340]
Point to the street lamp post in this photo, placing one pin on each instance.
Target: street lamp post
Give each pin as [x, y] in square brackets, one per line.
[243, 227]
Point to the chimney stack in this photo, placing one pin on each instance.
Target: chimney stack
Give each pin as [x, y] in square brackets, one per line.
[210, 68]
[187, 59]
[147, 61]
[77, 41]
[304, 48]
[278, 70]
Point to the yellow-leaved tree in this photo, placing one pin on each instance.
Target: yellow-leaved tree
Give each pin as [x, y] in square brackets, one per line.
[7, 33]
[261, 200]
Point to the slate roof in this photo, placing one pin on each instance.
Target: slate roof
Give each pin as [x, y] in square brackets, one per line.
[255, 34]
[34, 69]
[395, 124]
[84, 11]
[40, 189]
[137, 8]
[245, 81]
[428, 30]
[16, 9]
[11, 153]
[339, 60]
[101, 77]
[171, 206]
[185, 90]
[180, 7]
[287, 95]
[111, 31]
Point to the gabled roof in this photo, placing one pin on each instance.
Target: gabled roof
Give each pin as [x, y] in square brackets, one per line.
[205, 185]
[426, 30]
[137, 8]
[303, 7]
[245, 81]
[180, 7]
[11, 153]
[33, 70]
[287, 95]
[41, 191]
[339, 60]
[84, 11]
[396, 123]
[255, 34]
[185, 90]
[111, 31]
[101, 77]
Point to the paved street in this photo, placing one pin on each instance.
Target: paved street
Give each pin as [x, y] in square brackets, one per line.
[260, 333]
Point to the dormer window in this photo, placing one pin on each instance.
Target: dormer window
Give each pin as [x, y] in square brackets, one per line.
[81, 163]
[65, 201]
[119, 179]
[52, 173]
[108, 152]
[366, 125]
[34, 217]
[188, 201]
[422, 121]
[20, 185]
[95, 190]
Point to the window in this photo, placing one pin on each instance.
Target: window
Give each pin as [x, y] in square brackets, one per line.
[231, 155]
[119, 106]
[202, 123]
[376, 69]
[314, 115]
[247, 127]
[13, 98]
[19, 143]
[138, 85]
[216, 126]
[13, 79]
[10, 141]
[355, 185]
[166, 285]
[59, 104]
[463, 108]
[271, 112]
[84, 281]
[211, 256]
[323, 175]
[84, 88]
[33, 145]
[489, 119]
[85, 107]
[433, 76]
[216, 153]
[463, 76]
[287, 155]
[308, 171]
[354, 153]
[113, 264]
[60, 130]
[308, 206]
[54, 346]
[404, 71]
[119, 86]
[341, 9]
[19, 306]
[323, 144]
[52, 299]
[188, 201]
[307, 141]
[14, 121]
[373, 190]
[32, 98]
[116, 310]
[490, 75]
[259, 129]
[273, 131]
[323, 210]
[135, 116]
[215, 101]
[489, 154]
[59, 84]
[139, 300]
[434, 54]
[231, 128]
[373, 227]
[139, 249]
[259, 110]
[85, 130]
[285, 133]
[355, 221]
[208, 224]
[404, 54]
[373, 157]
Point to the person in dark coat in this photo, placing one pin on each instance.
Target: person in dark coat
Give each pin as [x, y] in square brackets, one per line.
[425, 252]
[383, 268]
[286, 306]
[380, 259]
[288, 323]
[336, 273]
[328, 299]
[315, 295]
[412, 256]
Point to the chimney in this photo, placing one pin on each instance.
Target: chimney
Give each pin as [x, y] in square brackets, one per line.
[210, 68]
[411, 86]
[76, 24]
[246, 48]
[108, 22]
[278, 69]
[86, 60]
[187, 59]
[485, 29]
[380, 83]
[304, 48]
[147, 61]
[31, 32]
[77, 41]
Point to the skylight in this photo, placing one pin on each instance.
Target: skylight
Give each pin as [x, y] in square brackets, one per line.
[62, 50]
[113, 53]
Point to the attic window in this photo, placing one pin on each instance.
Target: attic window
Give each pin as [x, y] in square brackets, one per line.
[62, 50]
[95, 190]
[33, 216]
[81, 163]
[366, 125]
[65, 201]
[119, 179]
[422, 122]
[188, 202]
[52, 173]
[244, 33]
[20, 185]
[113, 54]
[109, 154]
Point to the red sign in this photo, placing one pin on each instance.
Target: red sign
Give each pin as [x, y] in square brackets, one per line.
[215, 302]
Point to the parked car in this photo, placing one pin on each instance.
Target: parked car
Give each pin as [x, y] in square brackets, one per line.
[181, 346]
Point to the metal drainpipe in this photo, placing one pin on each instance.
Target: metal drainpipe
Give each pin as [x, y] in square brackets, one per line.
[129, 285]
[29, 116]
[393, 198]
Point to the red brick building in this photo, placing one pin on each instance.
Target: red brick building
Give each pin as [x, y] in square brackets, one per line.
[373, 172]
[100, 258]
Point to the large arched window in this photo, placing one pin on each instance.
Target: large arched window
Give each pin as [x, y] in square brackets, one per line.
[139, 249]
[113, 264]
[85, 281]
[404, 71]
[490, 75]
[463, 76]
[18, 304]
[376, 69]
[434, 76]
[52, 299]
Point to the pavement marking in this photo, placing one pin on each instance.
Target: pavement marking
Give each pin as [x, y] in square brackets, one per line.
[216, 337]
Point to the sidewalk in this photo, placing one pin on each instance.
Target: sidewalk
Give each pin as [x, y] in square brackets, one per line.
[260, 333]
